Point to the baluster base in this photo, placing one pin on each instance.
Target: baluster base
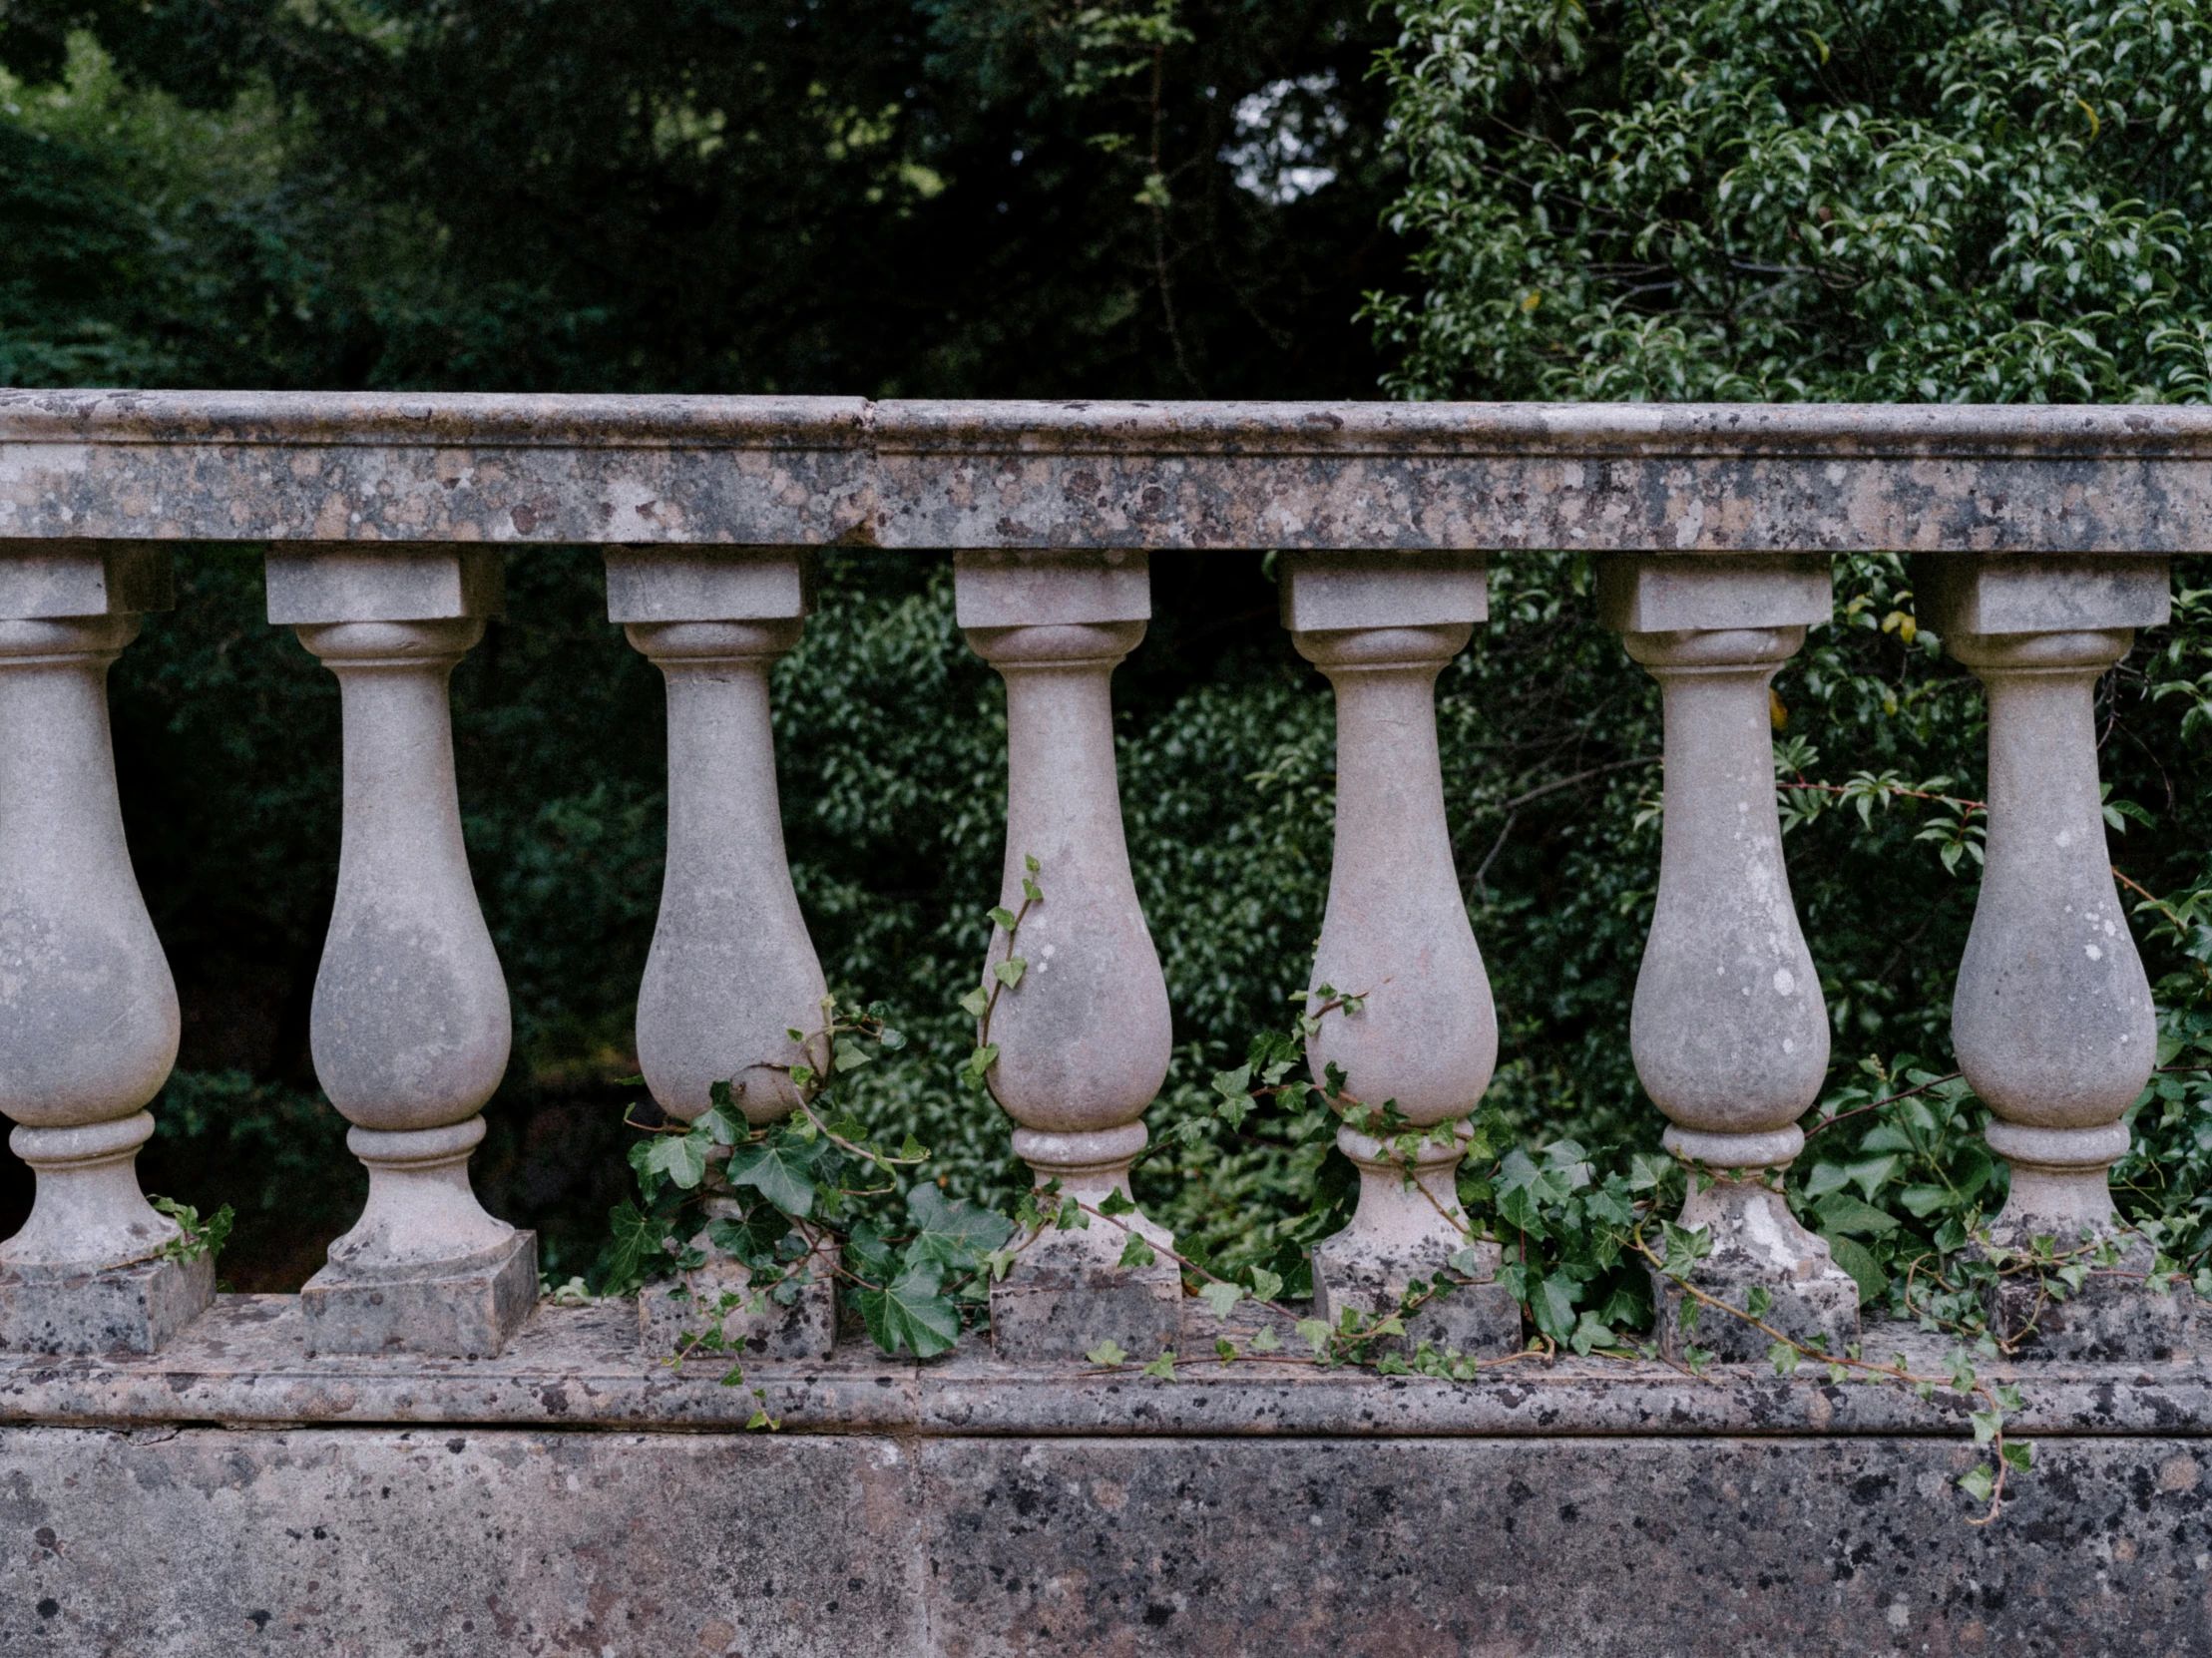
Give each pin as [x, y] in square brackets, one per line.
[460, 1310]
[2062, 1192]
[1068, 1291]
[133, 1309]
[425, 1269]
[1757, 1244]
[1401, 1233]
[2110, 1318]
[757, 1327]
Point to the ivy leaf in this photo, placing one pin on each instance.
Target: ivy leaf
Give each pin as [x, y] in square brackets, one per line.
[1316, 1332]
[1841, 1212]
[1114, 1203]
[1978, 1482]
[1164, 1367]
[851, 1055]
[635, 1243]
[1008, 971]
[976, 1002]
[1858, 1259]
[781, 1169]
[1108, 1352]
[911, 1310]
[1265, 1285]
[682, 1159]
[954, 1233]
[1137, 1252]
[1552, 1304]
[1003, 916]
[1219, 1296]
[1266, 1341]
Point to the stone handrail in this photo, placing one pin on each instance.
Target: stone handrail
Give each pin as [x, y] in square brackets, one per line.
[765, 471]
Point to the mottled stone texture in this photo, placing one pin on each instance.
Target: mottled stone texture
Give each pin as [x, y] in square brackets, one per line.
[410, 1026]
[1381, 626]
[88, 1013]
[471, 1541]
[311, 466]
[1083, 1032]
[1729, 1030]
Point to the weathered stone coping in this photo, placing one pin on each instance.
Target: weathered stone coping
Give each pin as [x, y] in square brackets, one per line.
[301, 466]
[242, 1365]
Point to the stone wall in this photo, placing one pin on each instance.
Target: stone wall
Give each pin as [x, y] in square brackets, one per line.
[234, 1496]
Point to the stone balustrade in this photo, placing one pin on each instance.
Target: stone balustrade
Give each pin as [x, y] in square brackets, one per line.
[2041, 539]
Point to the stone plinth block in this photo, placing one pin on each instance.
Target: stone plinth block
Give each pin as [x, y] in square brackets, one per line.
[758, 1327]
[1481, 1319]
[1065, 1296]
[1757, 1244]
[464, 1314]
[2111, 1319]
[133, 1309]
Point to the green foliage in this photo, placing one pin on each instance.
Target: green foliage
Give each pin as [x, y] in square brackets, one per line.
[1885, 201]
[917, 196]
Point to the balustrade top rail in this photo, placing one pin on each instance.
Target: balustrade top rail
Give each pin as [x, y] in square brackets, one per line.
[772, 471]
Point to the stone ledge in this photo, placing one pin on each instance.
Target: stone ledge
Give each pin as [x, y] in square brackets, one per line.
[244, 1364]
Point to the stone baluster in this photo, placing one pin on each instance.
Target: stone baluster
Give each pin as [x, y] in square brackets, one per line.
[1728, 1029]
[1382, 626]
[2052, 1019]
[409, 1026]
[732, 971]
[1084, 1040]
[88, 1012]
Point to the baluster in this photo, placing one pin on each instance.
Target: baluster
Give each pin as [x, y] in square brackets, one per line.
[409, 1026]
[1084, 1040]
[1381, 626]
[88, 1012]
[2052, 1019]
[732, 971]
[1728, 1029]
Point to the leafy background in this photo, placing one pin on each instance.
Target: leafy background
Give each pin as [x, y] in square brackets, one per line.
[1787, 199]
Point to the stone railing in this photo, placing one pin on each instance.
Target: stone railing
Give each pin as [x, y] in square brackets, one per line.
[2043, 539]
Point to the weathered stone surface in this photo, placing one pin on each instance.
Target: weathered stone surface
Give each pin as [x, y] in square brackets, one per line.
[88, 1011]
[2112, 1319]
[411, 467]
[1068, 1294]
[2051, 1017]
[731, 971]
[470, 1541]
[138, 1308]
[245, 1362]
[757, 1327]
[466, 1309]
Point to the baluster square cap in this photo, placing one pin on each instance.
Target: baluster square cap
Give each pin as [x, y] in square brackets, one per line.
[1964, 593]
[384, 583]
[53, 579]
[1701, 593]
